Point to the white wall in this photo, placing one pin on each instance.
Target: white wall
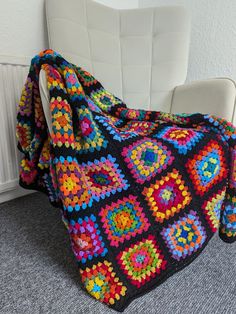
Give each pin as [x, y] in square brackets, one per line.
[22, 28]
[213, 38]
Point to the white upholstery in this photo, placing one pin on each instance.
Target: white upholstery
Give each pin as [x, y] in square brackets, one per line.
[140, 55]
[44, 93]
[215, 96]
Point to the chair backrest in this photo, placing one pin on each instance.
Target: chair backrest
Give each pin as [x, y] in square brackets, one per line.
[138, 54]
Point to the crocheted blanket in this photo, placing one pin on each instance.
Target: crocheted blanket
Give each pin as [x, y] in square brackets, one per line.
[141, 192]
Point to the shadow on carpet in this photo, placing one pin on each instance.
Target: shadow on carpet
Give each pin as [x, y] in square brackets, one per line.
[39, 273]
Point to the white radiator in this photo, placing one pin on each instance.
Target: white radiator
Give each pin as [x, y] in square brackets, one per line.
[12, 78]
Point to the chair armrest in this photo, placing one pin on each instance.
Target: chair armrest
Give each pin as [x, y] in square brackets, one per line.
[44, 93]
[214, 96]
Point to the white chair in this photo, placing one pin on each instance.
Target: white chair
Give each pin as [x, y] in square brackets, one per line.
[141, 55]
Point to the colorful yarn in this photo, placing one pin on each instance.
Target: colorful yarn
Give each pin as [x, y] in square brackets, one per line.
[131, 129]
[145, 158]
[101, 282]
[123, 220]
[72, 184]
[212, 208]
[86, 240]
[89, 138]
[183, 139]
[142, 261]
[185, 236]
[141, 192]
[104, 178]
[167, 196]
[207, 167]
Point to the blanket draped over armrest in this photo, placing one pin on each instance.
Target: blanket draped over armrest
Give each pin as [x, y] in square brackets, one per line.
[141, 192]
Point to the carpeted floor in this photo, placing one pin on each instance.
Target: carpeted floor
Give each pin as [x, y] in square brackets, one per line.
[39, 273]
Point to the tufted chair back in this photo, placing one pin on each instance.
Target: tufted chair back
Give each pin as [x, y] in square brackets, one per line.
[140, 55]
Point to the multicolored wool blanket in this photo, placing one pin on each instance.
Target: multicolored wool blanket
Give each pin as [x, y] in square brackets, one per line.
[141, 192]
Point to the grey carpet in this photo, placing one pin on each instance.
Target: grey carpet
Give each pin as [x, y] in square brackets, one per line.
[39, 274]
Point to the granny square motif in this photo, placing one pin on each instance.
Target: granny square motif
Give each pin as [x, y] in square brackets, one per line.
[141, 193]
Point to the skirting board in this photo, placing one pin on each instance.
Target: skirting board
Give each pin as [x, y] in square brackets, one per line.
[14, 193]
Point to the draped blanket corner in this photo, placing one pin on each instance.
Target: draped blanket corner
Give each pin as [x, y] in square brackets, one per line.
[141, 192]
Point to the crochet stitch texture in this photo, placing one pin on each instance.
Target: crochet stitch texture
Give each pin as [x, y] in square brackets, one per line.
[141, 192]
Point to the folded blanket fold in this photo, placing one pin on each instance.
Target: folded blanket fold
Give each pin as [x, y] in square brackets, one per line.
[141, 192]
